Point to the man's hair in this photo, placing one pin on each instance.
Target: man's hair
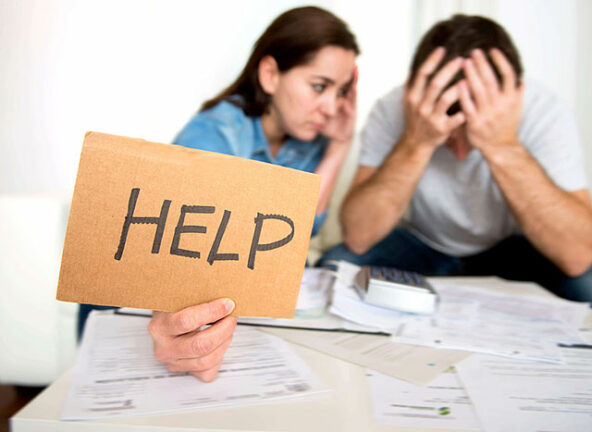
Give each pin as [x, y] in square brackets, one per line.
[460, 35]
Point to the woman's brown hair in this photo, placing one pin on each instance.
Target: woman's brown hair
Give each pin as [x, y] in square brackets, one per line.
[292, 39]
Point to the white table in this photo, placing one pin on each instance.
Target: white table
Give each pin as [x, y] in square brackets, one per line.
[346, 408]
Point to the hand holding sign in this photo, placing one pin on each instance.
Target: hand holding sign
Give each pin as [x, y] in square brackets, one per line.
[183, 347]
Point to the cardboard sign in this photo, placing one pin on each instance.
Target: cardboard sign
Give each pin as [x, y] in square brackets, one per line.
[163, 227]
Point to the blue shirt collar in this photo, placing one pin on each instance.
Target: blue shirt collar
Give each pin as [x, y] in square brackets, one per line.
[261, 145]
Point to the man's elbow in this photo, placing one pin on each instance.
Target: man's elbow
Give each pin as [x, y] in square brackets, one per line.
[356, 243]
[351, 234]
[578, 265]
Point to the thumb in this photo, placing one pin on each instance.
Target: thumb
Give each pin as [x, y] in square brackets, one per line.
[194, 317]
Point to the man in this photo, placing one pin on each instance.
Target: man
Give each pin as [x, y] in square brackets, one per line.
[489, 167]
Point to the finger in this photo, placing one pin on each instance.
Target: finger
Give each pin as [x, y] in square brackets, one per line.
[416, 87]
[202, 343]
[207, 376]
[441, 80]
[352, 94]
[448, 98]
[455, 121]
[466, 102]
[201, 364]
[193, 317]
[485, 72]
[520, 90]
[475, 83]
[348, 108]
[506, 70]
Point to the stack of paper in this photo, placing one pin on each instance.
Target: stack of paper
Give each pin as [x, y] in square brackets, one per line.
[516, 326]
[116, 373]
[346, 303]
[511, 325]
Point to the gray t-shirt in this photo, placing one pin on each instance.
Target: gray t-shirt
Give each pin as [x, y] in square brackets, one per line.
[458, 208]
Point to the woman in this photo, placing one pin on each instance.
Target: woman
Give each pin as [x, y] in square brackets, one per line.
[292, 105]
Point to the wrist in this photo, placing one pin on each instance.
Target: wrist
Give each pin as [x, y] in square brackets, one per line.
[416, 149]
[337, 147]
[504, 153]
[342, 135]
[334, 157]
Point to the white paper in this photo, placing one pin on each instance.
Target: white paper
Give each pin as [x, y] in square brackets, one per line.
[311, 310]
[511, 395]
[418, 365]
[441, 404]
[470, 319]
[347, 304]
[327, 321]
[511, 325]
[315, 289]
[518, 306]
[116, 373]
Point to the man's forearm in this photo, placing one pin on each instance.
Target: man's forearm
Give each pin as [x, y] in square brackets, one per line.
[373, 208]
[555, 221]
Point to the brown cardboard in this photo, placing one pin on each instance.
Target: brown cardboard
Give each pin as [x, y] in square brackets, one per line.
[225, 194]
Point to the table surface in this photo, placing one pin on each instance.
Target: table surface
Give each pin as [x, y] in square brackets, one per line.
[346, 408]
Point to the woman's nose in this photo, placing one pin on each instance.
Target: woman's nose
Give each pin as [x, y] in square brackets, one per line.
[329, 105]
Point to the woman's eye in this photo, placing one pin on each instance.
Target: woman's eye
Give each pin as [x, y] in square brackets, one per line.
[343, 91]
[319, 88]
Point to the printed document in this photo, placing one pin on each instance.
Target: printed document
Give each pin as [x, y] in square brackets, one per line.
[442, 404]
[116, 373]
[512, 395]
[415, 364]
[511, 325]
[508, 324]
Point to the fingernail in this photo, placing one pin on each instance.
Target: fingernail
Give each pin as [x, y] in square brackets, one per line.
[229, 305]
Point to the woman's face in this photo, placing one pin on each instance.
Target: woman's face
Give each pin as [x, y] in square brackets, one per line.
[304, 98]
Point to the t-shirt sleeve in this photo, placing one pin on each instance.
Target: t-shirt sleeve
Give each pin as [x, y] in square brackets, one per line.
[549, 132]
[383, 128]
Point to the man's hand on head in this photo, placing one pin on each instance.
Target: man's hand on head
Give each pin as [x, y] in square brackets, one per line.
[426, 102]
[183, 347]
[492, 109]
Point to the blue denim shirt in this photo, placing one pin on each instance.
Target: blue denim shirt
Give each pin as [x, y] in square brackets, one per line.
[226, 129]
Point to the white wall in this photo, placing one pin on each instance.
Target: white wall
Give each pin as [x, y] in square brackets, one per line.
[141, 68]
[138, 68]
[583, 79]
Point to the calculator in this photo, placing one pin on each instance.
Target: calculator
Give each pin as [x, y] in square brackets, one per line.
[396, 289]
